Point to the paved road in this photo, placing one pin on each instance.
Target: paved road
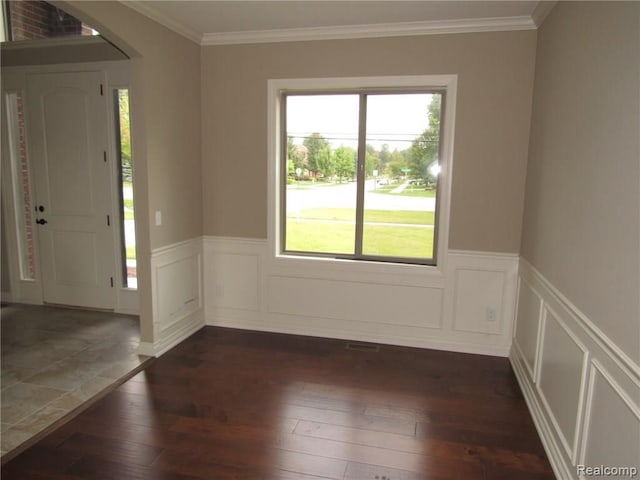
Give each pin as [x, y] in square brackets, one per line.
[344, 196]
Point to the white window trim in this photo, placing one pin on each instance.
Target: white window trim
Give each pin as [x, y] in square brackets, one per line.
[283, 261]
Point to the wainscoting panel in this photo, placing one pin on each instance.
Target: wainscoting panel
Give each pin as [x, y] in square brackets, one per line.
[478, 301]
[528, 325]
[582, 391]
[233, 278]
[388, 304]
[562, 378]
[383, 303]
[613, 421]
[176, 283]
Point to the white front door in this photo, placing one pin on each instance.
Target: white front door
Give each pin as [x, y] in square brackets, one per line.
[67, 126]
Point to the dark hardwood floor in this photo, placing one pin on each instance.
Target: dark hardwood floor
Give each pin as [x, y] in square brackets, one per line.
[231, 404]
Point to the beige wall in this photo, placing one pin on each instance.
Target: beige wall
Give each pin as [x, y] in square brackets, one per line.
[165, 117]
[167, 77]
[495, 81]
[582, 217]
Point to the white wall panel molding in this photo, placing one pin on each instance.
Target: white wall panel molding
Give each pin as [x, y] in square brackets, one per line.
[561, 380]
[528, 331]
[177, 288]
[562, 468]
[383, 303]
[610, 414]
[582, 390]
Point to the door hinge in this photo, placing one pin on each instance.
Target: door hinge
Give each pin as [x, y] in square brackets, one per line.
[108, 220]
[104, 156]
[101, 90]
[111, 280]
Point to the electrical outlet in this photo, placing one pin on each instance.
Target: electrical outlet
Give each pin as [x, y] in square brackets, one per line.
[492, 315]
[218, 290]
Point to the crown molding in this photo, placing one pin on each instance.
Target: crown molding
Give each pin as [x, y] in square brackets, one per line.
[371, 31]
[401, 29]
[164, 20]
[541, 11]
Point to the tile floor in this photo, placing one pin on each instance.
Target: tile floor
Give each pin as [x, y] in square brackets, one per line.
[54, 360]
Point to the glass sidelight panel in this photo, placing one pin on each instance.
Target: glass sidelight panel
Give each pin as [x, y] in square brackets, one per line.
[24, 210]
[125, 170]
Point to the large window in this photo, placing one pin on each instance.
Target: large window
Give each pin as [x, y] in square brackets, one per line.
[359, 172]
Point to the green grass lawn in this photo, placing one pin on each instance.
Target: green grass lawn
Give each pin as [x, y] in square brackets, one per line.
[397, 241]
[128, 209]
[320, 237]
[131, 253]
[407, 192]
[374, 216]
[333, 231]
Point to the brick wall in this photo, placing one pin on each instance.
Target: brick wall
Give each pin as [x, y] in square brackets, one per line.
[36, 19]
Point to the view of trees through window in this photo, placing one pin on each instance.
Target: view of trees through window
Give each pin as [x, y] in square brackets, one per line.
[362, 171]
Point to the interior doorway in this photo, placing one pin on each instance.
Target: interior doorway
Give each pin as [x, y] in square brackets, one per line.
[68, 186]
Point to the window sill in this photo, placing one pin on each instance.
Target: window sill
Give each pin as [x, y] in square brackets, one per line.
[358, 270]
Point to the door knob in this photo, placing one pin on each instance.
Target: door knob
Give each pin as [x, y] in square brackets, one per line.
[41, 208]
[41, 221]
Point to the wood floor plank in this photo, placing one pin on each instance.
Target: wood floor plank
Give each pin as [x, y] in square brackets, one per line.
[122, 450]
[98, 468]
[229, 404]
[310, 464]
[359, 471]
[211, 428]
[39, 461]
[379, 424]
[351, 452]
[390, 441]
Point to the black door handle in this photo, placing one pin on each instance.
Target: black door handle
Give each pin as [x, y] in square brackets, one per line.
[41, 221]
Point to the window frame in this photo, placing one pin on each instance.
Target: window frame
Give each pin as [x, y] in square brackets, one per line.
[444, 84]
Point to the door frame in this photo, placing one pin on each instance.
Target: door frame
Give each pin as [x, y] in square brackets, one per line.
[117, 75]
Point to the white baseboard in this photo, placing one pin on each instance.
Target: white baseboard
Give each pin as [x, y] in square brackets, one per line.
[401, 305]
[167, 343]
[582, 390]
[285, 326]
